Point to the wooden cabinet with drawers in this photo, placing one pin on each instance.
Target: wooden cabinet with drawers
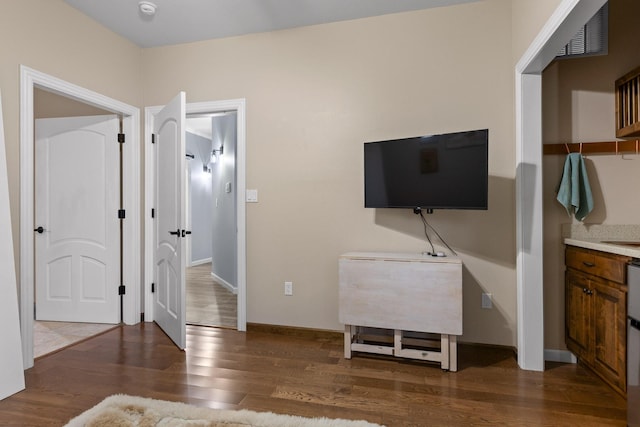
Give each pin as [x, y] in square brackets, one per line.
[596, 312]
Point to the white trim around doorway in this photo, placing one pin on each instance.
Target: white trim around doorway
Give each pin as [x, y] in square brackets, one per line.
[239, 106]
[29, 79]
[565, 22]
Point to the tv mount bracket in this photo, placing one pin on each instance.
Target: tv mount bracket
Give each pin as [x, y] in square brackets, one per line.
[418, 210]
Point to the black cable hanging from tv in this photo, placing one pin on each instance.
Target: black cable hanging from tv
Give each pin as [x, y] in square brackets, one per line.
[425, 224]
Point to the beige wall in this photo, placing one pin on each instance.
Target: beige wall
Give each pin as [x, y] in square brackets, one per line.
[52, 37]
[314, 95]
[578, 106]
[49, 105]
[529, 16]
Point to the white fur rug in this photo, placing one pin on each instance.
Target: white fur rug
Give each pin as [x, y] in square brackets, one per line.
[127, 411]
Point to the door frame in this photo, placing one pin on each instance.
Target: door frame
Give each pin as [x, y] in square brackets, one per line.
[131, 245]
[563, 24]
[239, 106]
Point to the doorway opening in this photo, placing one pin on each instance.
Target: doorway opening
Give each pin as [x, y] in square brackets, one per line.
[569, 17]
[30, 81]
[211, 264]
[78, 234]
[234, 191]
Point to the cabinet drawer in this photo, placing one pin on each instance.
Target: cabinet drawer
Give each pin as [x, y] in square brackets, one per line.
[608, 266]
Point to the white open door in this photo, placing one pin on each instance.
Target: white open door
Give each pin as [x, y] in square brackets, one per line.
[11, 367]
[170, 236]
[77, 230]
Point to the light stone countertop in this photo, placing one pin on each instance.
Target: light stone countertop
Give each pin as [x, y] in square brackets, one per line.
[605, 238]
[598, 245]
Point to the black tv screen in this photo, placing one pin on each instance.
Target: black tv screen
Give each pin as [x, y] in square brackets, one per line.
[448, 171]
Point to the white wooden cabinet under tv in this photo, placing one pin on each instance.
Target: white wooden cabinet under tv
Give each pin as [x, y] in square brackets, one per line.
[400, 304]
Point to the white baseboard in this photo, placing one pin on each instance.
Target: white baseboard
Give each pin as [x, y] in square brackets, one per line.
[229, 286]
[199, 262]
[563, 356]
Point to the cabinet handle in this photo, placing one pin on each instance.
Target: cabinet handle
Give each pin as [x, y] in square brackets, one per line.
[584, 290]
[589, 292]
[588, 264]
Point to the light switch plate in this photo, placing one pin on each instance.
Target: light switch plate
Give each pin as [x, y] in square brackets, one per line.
[252, 196]
[487, 300]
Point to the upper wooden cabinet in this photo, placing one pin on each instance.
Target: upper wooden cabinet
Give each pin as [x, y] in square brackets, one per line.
[628, 104]
[596, 312]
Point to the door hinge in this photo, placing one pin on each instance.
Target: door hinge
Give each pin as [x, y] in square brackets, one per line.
[121, 138]
[153, 213]
[121, 290]
[121, 213]
[153, 138]
[153, 288]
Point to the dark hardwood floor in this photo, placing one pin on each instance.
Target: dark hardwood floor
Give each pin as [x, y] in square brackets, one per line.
[305, 374]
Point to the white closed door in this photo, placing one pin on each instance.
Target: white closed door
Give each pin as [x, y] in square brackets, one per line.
[77, 231]
[169, 220]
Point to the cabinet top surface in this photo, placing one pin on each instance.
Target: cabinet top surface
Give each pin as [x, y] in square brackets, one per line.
[604, 245]
[401, 256]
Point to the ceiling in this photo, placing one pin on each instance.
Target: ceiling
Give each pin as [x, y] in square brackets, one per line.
[183, 21]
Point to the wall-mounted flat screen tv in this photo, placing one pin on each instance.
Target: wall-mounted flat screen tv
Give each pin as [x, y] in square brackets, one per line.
[448, 171]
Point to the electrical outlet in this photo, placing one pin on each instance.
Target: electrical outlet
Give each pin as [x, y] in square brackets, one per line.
[288, 288]
[486, 300]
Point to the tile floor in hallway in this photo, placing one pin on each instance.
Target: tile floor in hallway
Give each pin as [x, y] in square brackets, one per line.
[208, 303]
[51, 336]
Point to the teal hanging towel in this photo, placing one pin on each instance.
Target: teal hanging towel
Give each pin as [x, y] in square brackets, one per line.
[574, 192]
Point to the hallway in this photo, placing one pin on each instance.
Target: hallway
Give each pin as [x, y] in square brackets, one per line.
[208, 302]
[52, 336]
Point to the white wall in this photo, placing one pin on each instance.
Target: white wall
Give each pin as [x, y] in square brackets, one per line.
[223, 174]
[201, 200]
[11, 368]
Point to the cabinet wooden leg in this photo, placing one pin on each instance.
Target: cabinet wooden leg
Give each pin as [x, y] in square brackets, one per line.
[397, 342]
[444, 351]
[349, 331]
[453, 353]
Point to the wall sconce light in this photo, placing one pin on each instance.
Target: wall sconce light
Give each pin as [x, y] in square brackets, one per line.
[215, 153]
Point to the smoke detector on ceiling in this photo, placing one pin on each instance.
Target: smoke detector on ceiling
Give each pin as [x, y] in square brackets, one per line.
[148, 8]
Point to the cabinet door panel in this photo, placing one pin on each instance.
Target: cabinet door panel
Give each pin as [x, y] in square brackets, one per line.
[577, 314]
[610, 333]
[596, 312]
